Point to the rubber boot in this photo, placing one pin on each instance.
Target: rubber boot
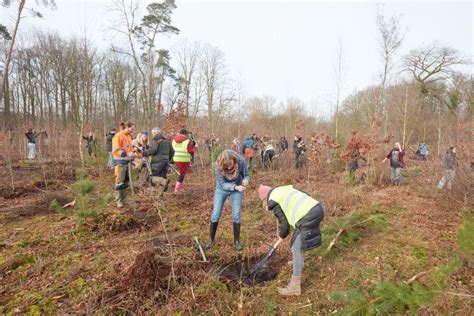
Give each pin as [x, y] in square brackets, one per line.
[237, 244]
[212, 234]
[293, 288]
[166, 183]
[161, 186]
[178, 187]
[160, 183]
[119, 197]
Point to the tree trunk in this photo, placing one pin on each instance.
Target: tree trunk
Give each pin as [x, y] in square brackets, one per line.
[10, 50]
[405, 117]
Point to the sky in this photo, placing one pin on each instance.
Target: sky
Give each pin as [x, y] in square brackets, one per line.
[283, 48]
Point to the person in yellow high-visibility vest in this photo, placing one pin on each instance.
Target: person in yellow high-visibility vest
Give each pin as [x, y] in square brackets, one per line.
[294, 208]
[183, 148]
[123, 154]
[268, 151]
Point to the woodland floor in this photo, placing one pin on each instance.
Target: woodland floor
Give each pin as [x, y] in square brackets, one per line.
[143, 262]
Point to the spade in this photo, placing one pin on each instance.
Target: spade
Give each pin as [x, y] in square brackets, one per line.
[265, 259]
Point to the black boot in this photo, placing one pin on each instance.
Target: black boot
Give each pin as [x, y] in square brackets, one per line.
[237, 244]
[212, 234]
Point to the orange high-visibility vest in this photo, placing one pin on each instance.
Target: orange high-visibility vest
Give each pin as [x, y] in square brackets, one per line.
[122, 142]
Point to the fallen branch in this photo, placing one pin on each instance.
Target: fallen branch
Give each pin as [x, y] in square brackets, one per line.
[416, 277]
[70, 204]
[200, 249]
[334, 241]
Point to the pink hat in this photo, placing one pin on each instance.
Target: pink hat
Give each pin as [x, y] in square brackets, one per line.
[263, 191]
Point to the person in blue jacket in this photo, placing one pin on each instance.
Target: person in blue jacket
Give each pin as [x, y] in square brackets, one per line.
[232, 177]
[422, 152]
[249, 149]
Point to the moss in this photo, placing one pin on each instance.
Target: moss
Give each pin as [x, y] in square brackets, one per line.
[18, 261]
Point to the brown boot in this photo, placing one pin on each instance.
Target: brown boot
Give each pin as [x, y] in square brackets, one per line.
[293, 288]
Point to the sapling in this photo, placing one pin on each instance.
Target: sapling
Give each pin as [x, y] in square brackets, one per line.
[10, 170]
[84, 187]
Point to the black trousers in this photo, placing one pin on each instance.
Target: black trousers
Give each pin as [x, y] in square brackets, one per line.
[160, 168]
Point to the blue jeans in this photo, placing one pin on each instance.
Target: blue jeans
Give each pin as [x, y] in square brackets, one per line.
[31, 151]
[298, 256]
[396, 175]
[220, 196]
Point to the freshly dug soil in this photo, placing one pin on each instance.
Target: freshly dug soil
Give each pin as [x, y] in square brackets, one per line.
[146, 275]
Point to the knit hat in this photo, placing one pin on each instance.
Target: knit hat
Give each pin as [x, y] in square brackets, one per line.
[183, 132]
[263, 191]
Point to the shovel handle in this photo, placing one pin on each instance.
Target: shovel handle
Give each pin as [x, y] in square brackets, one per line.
[277, 243]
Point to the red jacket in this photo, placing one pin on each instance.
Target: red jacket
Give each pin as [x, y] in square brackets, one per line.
[179, 138]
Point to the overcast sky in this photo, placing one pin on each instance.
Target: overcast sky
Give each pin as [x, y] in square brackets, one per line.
[284, 48]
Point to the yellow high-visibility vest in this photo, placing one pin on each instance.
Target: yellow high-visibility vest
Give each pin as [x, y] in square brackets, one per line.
[269, 146]
[294, 203]
[181, 151]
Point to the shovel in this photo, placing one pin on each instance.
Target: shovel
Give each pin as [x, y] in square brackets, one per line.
[265, 259]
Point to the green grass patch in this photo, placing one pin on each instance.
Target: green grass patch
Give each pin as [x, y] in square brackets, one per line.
[55, 206]
[18, 261]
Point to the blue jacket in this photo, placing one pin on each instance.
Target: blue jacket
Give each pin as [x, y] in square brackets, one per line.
[247, 143]
[229, 185]
[423, 149]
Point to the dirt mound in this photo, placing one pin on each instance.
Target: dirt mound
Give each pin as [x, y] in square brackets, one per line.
[146, 275]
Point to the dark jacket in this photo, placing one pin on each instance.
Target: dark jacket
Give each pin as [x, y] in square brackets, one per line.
[160, 149]
[394, 153]
[450, 160]
[108, 141]
[229, 185]
[31, 137]
[283, 144]
[308, 226]
[297, 149]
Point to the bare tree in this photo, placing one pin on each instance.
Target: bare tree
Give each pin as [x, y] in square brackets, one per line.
[156, 21]
[214, 73]
[339, 75]
[187, 56]
[12, 38]
[432, 63]
[428, 65]
[389, 41]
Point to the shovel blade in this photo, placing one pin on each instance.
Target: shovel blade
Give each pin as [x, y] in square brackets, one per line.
[262, 262]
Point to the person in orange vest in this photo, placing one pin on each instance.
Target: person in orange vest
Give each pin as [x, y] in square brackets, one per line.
[183, 148]
[123, 153]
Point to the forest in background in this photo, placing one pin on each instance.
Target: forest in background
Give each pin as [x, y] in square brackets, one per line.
[395, 249]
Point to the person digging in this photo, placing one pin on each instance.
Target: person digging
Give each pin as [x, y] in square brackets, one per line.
[161, 152]
[294, 208]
